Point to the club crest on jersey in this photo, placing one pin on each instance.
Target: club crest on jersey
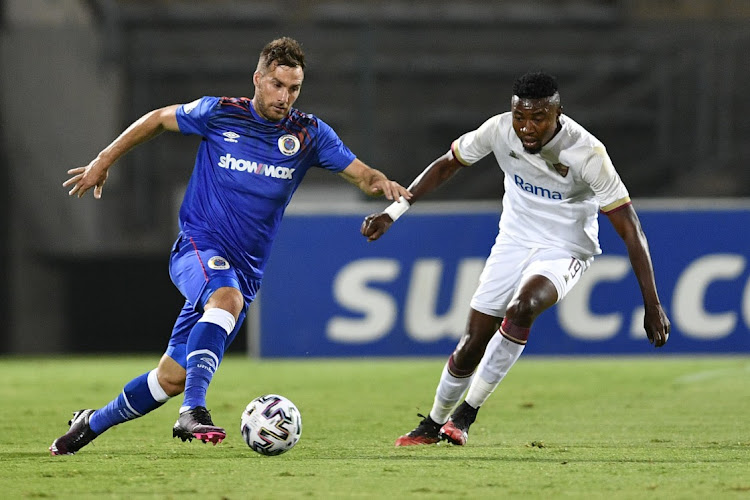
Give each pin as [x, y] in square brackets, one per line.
[288, 144]
[230, 136]
[218, 263]
[560, 168]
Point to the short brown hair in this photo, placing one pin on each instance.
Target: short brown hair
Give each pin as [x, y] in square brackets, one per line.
[283, 51]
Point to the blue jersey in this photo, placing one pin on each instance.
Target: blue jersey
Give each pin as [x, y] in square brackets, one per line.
[246, 170]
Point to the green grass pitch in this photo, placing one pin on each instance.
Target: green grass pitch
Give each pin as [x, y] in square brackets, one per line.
[666, 427]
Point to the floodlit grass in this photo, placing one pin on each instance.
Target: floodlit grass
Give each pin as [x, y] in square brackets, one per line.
[556, 428]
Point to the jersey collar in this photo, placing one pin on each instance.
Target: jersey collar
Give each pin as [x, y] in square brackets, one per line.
[551, 150]
[258, 117]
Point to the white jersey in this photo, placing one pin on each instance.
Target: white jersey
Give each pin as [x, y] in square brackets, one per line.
[551, 198]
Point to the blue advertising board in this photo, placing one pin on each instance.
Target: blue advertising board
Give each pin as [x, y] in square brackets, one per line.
[328, 292]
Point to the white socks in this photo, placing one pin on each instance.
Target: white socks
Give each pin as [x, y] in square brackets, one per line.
[500, 355]
[449, 392]
[498, 358]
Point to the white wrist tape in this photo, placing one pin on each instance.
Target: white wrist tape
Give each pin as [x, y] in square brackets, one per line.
[397, 208]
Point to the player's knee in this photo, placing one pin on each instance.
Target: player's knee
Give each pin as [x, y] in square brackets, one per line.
[227, 298]
[524, 309]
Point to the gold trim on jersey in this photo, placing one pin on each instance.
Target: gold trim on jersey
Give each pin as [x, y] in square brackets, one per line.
[454, 149]
[616, 204]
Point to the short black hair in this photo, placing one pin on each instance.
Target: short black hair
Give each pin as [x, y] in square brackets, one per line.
[535, 85]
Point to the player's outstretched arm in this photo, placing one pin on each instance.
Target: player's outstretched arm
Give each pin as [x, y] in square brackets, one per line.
[628, 226]
[94, 175]
[375, 225]
[373, 182]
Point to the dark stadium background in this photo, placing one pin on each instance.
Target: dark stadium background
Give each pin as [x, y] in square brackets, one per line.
[661, 82]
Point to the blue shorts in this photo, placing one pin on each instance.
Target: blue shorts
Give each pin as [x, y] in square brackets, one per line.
[198, 267]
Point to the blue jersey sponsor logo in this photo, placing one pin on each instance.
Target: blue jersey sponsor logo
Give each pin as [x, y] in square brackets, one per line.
[229, 162]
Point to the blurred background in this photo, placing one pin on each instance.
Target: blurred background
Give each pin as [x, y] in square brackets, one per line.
[662, 83]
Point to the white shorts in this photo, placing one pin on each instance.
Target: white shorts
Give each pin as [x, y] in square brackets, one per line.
[510, 264]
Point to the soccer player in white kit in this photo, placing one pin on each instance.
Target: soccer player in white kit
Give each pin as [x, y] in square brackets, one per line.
[558, 177]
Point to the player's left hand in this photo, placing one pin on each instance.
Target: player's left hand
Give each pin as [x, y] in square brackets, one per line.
[657, 325]
[375, 225]
[392, 190]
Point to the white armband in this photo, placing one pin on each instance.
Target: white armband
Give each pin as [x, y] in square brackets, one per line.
[397, 208]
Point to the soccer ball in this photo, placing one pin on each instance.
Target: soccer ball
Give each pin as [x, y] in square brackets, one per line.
[271, 424]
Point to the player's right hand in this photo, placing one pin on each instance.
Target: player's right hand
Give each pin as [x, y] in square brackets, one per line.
[93, 175]
[375, 225]
[657, 325]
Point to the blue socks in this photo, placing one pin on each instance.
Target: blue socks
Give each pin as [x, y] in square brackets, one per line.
[205, 349]
[140, 396]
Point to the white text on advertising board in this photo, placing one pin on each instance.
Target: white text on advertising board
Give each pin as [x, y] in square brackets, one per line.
[375, 311]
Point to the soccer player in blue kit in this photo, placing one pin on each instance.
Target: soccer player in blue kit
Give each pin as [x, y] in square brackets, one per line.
[253, 155]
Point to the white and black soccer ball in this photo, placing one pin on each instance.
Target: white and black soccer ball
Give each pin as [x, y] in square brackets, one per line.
[271, 424]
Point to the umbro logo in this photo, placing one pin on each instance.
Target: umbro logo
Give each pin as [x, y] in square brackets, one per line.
[513, 154]
[230, 136]
[207, 363]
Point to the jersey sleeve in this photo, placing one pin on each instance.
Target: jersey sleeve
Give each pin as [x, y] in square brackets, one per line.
[475, 145]
[599, 172]
[333, 154]
[192, 118]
